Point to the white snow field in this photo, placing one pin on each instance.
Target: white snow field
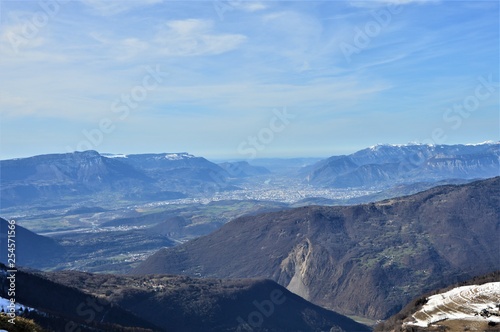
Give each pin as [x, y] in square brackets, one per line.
[462, 303]
[4, 304]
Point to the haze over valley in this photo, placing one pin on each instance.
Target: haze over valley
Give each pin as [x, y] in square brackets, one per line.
[91, 203]
[113, 214]
[249, 166]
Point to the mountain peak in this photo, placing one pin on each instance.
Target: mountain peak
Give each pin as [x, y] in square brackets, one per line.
[178, 156]
[112, 155]
[159, 156]
[388, 164]
[410, 144]
[490, 142]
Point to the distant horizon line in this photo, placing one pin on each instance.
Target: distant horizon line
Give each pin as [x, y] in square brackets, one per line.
[221, 159]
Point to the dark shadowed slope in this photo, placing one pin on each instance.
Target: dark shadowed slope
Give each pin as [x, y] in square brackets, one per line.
[178, 303]
[66, 308]
[368, 260]
[31, 249]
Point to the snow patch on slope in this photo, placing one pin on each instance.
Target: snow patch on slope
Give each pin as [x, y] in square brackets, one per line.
[110, 155]
[412, 144]
[483, 143]
[178, 156]
[461, 303]
[4, 304]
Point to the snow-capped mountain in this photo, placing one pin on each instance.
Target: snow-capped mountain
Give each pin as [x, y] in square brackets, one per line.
[73, 175]
[385, 165]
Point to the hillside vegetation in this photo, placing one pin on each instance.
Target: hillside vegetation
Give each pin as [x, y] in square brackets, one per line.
[367, 260]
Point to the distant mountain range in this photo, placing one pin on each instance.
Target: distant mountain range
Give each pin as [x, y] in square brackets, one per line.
[58, 176]
[242, 169]
[173, 166]
[104, 302]
[64, 177]
[73, 177]
[387, 165]
[367, 260]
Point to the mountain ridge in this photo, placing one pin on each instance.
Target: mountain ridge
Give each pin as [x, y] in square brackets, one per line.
[104, 302]
[68, 176]
[384, 165]
[395, 248]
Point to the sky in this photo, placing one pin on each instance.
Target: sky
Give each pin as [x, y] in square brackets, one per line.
[244, 79]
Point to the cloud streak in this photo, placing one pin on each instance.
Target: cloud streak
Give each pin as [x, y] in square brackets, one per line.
[115, 7]
[262, 55]
[194, 37]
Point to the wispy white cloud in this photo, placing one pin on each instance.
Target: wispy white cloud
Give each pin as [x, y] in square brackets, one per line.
[132, 47]
[194, 37]
[10, 102]
[16, 37]
[121, 49]
[174, 38]
[378, 3]
[251, 6]
[300, 48]
[250, 96]
[114, 7]
[261, 55]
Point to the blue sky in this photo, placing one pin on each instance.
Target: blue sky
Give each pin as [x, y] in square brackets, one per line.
[243, 79]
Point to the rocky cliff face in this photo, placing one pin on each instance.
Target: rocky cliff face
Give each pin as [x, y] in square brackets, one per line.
[367, 260]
